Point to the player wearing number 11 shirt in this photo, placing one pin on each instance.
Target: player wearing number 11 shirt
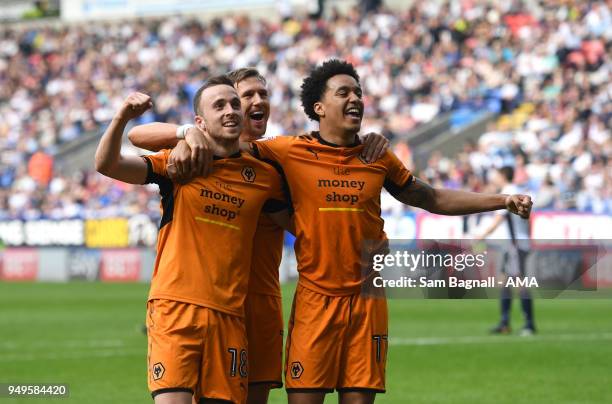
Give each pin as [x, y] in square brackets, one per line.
[338, 335]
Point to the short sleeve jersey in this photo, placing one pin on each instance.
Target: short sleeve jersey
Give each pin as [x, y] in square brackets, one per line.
[206, 233]
[335, 196]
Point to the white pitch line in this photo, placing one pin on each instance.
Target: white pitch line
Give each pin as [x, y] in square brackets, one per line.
[464, 340]
[497, 339]
[79, 343]
[71, 355]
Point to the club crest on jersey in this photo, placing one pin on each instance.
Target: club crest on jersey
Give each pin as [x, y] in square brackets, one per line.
[296, 370]
[157, 371]
[248, 173]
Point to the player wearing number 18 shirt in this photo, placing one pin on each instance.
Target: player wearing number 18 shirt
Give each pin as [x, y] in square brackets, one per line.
[195, 315]
[263, 305]
[195, 312]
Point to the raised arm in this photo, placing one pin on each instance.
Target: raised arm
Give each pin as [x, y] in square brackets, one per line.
[108, 159]
[454, 202]
[154, 136]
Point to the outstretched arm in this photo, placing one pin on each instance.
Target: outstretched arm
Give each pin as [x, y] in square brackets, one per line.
[108, 160]
[154, 136]
[454, 202]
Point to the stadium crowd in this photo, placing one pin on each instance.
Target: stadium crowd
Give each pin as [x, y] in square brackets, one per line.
[543, 66]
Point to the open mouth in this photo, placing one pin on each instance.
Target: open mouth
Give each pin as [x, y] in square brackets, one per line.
[230, 124]
[353, 112]
[257, 115]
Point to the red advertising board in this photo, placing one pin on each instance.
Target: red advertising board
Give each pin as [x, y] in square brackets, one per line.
[19, 264]
[120, 265]
[598, 270]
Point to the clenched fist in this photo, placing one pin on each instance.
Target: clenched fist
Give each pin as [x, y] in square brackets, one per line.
[134, 106]
[519, 205]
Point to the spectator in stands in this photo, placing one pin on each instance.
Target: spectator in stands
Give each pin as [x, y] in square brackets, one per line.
[544, 66]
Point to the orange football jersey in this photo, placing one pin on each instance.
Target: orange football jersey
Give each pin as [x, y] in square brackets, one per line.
[206, 233]
[336, 203]
[267, 254]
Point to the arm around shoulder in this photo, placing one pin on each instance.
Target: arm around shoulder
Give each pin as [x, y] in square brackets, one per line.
[154, 136]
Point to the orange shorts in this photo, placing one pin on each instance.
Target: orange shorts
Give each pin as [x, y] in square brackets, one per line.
[264, 325]
[196, 349]
[336, 342]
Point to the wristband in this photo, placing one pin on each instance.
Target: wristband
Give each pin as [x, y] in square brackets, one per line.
[182, 130]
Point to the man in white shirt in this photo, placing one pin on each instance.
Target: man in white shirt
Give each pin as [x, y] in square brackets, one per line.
[514, 257]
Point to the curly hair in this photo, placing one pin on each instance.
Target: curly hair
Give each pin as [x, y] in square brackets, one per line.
[314, 85]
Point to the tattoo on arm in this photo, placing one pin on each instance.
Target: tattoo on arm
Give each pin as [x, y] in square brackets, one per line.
[419, 194]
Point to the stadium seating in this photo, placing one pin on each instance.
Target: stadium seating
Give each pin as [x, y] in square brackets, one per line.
[543, 69]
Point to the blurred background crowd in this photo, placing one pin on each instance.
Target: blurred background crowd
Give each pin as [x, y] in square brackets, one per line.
[543, 67]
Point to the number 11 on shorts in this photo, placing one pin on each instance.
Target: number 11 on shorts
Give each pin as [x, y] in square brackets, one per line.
[380, 346]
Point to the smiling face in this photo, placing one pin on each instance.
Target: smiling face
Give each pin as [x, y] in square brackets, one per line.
[341, 106]
[255, 106]
[221, 112]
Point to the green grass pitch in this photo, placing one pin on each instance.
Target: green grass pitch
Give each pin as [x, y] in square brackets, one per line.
[88, 335]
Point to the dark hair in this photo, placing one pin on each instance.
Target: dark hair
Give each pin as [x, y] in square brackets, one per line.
[314, 85]
[220, 80]
[507, 172]
[244, 73]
